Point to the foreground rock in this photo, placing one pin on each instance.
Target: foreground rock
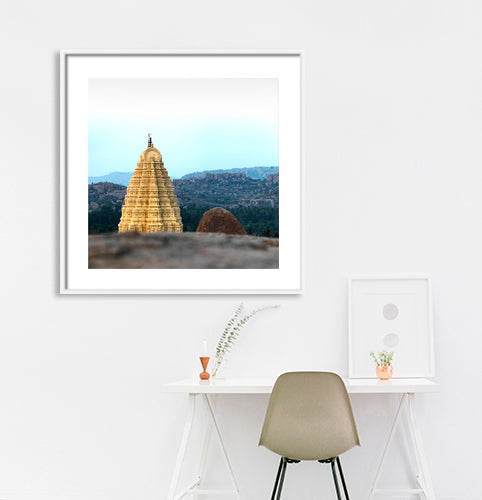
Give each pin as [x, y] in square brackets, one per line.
[182, 251]
[219, 220]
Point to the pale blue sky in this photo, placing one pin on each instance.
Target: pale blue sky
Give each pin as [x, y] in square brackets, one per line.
[197, 124]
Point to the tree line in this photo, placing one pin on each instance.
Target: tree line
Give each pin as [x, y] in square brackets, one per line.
[258, 221]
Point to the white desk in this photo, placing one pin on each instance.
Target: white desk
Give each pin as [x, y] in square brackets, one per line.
[405, 387]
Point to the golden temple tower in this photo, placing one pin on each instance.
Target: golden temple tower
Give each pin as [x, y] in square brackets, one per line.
[150, 205]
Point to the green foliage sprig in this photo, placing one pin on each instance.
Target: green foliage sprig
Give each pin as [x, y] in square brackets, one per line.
[231, 333]
[384, 358]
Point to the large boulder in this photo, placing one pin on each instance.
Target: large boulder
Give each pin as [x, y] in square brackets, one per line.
[219, 220]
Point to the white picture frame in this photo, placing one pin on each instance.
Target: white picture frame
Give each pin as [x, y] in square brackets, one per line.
[76, 67]
[395, 313]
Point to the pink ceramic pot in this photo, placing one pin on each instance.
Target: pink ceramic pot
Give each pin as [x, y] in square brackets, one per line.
[384, 372]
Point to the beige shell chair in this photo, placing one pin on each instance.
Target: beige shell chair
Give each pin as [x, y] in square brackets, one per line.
[309, 417]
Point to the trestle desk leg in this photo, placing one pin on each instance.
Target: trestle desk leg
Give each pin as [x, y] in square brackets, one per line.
[205, 448]
[220, 439]
[415, 456]
[425, 483]
[182, 448]
[387, 446]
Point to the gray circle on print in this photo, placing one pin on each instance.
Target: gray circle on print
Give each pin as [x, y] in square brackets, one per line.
[391, 340]
[390, 311]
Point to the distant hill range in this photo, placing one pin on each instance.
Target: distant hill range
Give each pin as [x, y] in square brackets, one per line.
[253, 172]
[123, 178]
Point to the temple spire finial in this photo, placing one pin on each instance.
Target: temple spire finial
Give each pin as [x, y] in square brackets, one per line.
[149, 142]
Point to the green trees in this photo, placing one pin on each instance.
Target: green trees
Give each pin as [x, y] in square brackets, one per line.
[257, 221]
[267, 231]
[105, 219]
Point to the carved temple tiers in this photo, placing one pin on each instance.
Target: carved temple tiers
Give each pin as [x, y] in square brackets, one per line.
[150, 205]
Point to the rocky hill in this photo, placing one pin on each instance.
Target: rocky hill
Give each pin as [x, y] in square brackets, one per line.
[228, 190]
[102, 192]
[220, 190]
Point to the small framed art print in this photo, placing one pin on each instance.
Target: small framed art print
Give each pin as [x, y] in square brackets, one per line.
[393, 313]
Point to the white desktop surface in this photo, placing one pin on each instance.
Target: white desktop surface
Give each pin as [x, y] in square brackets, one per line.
[195, 388]
[265, 386]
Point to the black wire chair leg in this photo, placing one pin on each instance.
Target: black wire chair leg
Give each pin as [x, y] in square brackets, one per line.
[345, 489]
[275, 489]
[282, 478]
[335, 479]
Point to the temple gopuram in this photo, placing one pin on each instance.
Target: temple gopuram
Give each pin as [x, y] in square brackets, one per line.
[150, 205]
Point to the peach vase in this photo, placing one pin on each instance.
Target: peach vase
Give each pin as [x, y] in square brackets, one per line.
[384, 372]
[204, 375]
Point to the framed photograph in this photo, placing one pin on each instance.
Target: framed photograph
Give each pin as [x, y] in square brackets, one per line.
[393, 313]
[180, 172]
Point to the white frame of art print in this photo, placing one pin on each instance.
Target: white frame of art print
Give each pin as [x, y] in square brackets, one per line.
[76, 67]
[395, 313]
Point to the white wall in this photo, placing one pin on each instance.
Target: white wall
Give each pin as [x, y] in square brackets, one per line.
[392, 184]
